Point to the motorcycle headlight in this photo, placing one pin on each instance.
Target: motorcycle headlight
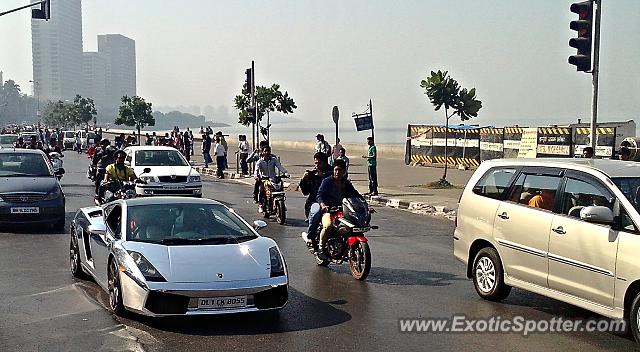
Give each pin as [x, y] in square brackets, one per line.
[149, 272]
[54, 194]
[277, 265]
[194, 178]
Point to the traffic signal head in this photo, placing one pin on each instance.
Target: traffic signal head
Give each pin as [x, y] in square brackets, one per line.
[248, 81]
[582, 60]
[44, 12]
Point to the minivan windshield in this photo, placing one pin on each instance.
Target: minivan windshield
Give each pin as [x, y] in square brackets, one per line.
[160, 158]
[630, 186]
[186, 224]
[23, 164]
[8, 139]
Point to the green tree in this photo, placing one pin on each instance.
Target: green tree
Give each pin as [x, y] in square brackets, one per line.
[268, 100]
[85, 110]
[59, 114]
[134, 111]
[442, 90]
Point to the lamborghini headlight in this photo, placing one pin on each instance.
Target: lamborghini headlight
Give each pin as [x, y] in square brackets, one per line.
[147, 269]
[277, 265]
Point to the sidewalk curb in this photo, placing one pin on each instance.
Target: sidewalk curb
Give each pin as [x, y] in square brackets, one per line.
[421, 208]
[414, 207]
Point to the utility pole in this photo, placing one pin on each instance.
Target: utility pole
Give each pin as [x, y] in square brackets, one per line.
[595, 72]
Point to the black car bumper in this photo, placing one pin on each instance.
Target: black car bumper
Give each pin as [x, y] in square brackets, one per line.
[49, 211]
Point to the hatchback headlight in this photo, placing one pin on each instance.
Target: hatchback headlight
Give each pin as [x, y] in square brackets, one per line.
[194, 178]
[54, 194]
[147, 269]
[277, 265]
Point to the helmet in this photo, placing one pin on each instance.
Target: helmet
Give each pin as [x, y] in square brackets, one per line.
[105, 141]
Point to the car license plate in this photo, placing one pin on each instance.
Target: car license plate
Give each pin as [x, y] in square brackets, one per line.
[361, 229]
[25, 210]
[172, 187]
[222, 302]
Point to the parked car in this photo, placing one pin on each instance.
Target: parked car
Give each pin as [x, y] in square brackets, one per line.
[161, 256]
[88, 138]
[171, 173]
[562, 228]
[29, 189]
[8, 140]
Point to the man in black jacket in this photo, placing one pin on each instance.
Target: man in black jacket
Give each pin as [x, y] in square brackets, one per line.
[309, 185]
[101, 159]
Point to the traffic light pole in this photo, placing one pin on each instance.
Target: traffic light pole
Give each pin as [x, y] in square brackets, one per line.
[595, 73]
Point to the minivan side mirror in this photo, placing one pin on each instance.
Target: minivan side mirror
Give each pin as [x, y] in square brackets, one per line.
[597, 214]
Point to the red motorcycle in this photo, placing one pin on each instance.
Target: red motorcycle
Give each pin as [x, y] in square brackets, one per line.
[346, 241]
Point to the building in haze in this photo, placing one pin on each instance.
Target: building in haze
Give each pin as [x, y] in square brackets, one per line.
[57, 51]
[94, 69]
[119, 54]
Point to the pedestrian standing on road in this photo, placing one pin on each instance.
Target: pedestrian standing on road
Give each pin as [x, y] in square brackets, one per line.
[225, 145]
[243, 153]
[323, 146]
[335, 151]
[206, 149]
[220, 163]
[192, 141]
[186, 142]
[343, 156]
[78, 143]
[372, 164]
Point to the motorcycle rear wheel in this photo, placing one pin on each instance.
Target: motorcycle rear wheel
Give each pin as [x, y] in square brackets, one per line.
[361, 266]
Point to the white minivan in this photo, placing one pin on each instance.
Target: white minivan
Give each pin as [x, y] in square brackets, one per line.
[563, 228]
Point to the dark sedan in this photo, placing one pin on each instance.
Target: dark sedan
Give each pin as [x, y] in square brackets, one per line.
[29, 189]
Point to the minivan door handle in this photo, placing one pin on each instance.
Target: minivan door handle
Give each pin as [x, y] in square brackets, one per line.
[559, 230]
[503, 216]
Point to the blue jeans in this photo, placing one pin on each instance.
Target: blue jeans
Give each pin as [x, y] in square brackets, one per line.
[315, 215]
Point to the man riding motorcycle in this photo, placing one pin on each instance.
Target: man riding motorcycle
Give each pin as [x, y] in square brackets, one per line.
[117, 171]
[266, 167]
[101, 159]
[330, 194]
[309, 185]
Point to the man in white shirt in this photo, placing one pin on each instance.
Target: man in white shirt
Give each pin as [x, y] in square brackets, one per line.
[243, 153]
[266, 167]
[219, 152]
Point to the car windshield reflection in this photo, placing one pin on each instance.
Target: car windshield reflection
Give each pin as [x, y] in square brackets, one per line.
[23, 164]
[186, 224]
[160, 158]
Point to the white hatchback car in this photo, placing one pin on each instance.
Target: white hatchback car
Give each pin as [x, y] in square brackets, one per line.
[171, 173]
[563, 228]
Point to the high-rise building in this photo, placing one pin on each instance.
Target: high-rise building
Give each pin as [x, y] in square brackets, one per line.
[119, 53]
[57, 51]
[94, 69]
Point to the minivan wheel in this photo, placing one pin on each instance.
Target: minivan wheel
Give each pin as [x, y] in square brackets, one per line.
[488, 276]
[634, 318]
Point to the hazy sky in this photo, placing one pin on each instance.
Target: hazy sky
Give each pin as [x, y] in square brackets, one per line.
[325, 53]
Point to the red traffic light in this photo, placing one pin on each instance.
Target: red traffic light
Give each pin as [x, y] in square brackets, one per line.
[583, 26]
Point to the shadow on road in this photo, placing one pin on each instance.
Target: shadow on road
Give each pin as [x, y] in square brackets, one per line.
[393, 277]
[38, 229]
[301, 313]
